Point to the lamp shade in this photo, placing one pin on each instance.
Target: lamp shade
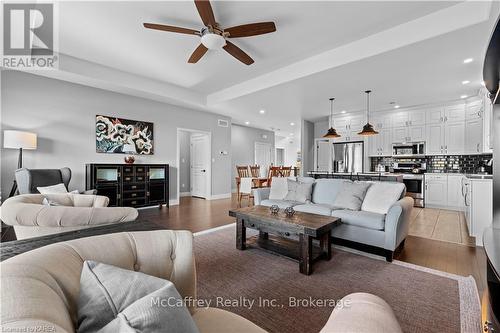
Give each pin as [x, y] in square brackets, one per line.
[19, 139]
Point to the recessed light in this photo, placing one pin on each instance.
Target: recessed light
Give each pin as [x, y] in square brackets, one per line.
[465, 82]
[343, 111]
[292, 124]
[396, 106]
[262, 111]
[291, 134]
[463, 96]
[247, 123]
[468, 60]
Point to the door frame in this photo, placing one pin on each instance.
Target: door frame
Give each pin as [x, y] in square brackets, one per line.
[178, 161]
[271, 155]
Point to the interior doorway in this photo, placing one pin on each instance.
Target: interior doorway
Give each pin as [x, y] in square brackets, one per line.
[194, 175]
[280, 156]
[263, 157]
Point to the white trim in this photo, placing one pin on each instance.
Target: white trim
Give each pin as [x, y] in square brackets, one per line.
[178, 161]
[173, 202]
[220, 196]
[185, 194]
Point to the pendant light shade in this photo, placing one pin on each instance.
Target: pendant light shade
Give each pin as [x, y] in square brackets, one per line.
[368, 128]
[331, 133]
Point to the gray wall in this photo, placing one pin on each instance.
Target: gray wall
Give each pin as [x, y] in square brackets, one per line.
[307, 146]
[185, 161]
[243, 146]
[63, 115]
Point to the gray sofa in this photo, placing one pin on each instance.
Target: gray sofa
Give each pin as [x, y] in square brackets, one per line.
[371, 228]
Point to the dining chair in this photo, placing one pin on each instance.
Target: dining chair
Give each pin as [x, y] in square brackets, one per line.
[286, 171]
[274, 171]
[246, 186]
[242, 171]
[255, 171]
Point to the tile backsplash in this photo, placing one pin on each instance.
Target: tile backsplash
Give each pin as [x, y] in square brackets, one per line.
[440, 163]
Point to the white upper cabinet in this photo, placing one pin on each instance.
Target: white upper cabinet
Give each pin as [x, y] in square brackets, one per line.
[454, 138]
[474, 136]
[435, 115]
[416, 133]
[416, 117]
[341, 123]
[381, 120]
[356, 122]
[349, 123]
[434, 144]
[453, 113]
[400, 119]
[399, 134]
[381, 144]
[474, 110]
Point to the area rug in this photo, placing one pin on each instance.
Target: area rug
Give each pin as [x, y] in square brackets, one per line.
[268, 289]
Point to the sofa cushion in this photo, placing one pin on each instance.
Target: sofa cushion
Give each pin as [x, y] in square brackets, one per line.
[280, 203]
[298, 191]
[113, 299]
[351, 195]
[320, 209]
[53, 189]
[325, 190]
[279, 188]
[381, 196]
[360, 218]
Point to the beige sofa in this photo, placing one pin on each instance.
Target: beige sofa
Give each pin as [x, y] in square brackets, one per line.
[31, 218]
[40, 288]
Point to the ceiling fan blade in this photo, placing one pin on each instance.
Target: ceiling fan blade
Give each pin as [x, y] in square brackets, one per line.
[252, 29]
[206, 12]
[197, 54]
[238, 53]
[171, 28]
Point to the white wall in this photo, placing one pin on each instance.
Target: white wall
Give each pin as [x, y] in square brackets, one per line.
[185, 161]
[307, 146]
[291, 146]
[243, 140]
[63, 115]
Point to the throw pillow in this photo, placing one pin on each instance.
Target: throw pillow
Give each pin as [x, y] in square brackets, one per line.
[53, 189]
[381, 196]
[57, 199]
[113, 299]
[351, 195]
[298, 191]
[279, 188]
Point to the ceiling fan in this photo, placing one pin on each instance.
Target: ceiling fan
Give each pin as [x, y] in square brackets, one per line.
[214, 37]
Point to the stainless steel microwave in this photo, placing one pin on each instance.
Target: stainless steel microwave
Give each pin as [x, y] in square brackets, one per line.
[408, 149]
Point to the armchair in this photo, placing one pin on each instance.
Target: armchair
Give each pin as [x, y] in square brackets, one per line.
[29, 179]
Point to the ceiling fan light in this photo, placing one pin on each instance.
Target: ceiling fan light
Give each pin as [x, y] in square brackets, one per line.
[213, 41]
[368, 130]
[331, 134]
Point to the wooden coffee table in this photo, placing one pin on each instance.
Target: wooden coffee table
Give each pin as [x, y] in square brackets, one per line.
[290, 236]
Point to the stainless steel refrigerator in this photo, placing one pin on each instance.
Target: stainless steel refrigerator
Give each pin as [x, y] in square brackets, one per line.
[348, 157]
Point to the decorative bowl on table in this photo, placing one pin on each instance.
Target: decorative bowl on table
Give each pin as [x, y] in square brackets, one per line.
[129, 159]
[274, 209]
[289, 211]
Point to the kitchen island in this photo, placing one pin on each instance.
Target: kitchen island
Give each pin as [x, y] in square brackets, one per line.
[373, 176]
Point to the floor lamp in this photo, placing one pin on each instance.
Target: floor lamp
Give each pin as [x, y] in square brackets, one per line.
[18, 140]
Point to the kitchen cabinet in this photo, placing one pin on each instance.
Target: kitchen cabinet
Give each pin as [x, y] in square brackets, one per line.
[436, 190]
[454, 138]
[474, 136]
[435, 115]
[478, 200]
[399, 134]
[474, 110]
[381, 144]
[381, 120]
[408, 134]
[409, 118]
[349, 123]
[454, 113]
[434, 139]
[454, 191]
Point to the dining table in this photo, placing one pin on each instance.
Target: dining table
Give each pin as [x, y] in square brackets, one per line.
[257, 181]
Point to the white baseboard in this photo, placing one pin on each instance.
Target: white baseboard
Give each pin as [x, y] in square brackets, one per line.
[173, 202]
[185, 194]
[220, 196]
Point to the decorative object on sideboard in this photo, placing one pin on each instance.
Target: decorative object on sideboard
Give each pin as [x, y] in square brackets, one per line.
[289, 211]
[123, 136]
[129, 159]
[332, 133]
[19, 140]
[368, 128]
[274, 209]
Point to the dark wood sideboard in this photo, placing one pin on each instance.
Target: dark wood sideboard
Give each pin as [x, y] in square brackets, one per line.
[130, 185]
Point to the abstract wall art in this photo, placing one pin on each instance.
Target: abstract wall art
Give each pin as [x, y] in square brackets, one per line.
[123, 136]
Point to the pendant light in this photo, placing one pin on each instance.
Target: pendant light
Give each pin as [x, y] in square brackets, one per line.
[368, 128]
[332, 133]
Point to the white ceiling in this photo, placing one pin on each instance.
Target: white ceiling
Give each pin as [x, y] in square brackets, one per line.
[408, 52]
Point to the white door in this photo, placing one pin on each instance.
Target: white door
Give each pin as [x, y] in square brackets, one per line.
[356, 122]
[280, 156]
[435, 116]
[263, 157]
[455, 198]
[399, 134]
[436, 190]
[200, 163]
[474, 110]
[341, 123]
[400, 119]
[454, 138]
[322, 155]
[416, 117]
[434, 139]
[385, 142]
[455, 113]
[473, 136]
[416, 133]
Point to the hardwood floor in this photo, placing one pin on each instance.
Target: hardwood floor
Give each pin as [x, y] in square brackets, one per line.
[197, 214]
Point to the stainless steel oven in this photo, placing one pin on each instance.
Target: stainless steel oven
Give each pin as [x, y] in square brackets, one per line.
[415, 188]
[408, 149]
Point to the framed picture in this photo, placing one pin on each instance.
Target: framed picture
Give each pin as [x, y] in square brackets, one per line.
[123, 136]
